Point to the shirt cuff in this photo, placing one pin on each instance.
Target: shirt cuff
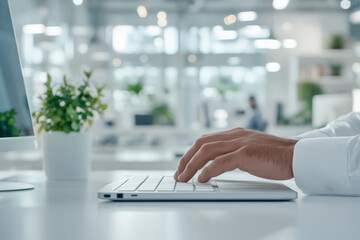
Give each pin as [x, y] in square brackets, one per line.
[312, 134]
[320, 166]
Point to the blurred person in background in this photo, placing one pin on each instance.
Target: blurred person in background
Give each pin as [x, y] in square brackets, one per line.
[256, 120]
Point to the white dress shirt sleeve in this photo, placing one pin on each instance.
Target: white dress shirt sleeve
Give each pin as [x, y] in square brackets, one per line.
[327, 161]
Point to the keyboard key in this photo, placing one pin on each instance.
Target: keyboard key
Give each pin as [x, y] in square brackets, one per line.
[204, 187]
[119, 182]
[132, 184]
[167, 184]
[150, 184]
[184, 187]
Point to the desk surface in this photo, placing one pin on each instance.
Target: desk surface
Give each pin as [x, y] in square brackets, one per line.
[70, 210]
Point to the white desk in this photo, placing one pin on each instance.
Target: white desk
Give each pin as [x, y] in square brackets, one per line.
[70, 210]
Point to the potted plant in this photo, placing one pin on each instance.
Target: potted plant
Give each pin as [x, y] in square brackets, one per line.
[306, 92]
[135, 88]
[336, 69]
[162, 114]
[337, 42]
[64, 118]
[7, 122]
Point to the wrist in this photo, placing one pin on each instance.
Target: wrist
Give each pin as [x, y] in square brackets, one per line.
[290, 156]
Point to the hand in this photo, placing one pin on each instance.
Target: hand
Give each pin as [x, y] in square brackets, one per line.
[257, 153]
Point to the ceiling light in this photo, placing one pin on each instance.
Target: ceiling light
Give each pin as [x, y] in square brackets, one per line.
[255, 31]
[230, 19]
[78, 2]
[159, 44]
[218, 28]
[289, 43]
[192, 58]
[161, 15]
[345, 4]
[247, 16]
[142, 12]
[53, 31]
[153, 31]
[226, 35]
[117, 62]
[33, 29]
[280, 4]
[162, 22]
[209, 92]
[273, 67]
[267, 44]
[120, 37]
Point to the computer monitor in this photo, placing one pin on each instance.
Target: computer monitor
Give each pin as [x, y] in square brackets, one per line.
[16, 129]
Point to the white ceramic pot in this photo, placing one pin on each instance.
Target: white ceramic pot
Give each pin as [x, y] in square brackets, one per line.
[67, 156]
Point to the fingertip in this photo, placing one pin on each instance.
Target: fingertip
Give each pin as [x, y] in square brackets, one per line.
[176, 174]
[181, 178]
[202, 179]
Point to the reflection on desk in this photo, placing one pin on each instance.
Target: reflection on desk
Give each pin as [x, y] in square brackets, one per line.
[70, 210]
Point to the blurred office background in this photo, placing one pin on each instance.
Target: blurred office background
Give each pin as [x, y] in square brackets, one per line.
[176, 69]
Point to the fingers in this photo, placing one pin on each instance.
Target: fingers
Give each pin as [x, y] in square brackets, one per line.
[221, 136]
[206, 153]
[220, 165]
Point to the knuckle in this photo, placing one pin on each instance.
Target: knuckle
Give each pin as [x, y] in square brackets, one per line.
[207, 147]
[220, 161]
[242, 164]
[239, 129]
[245, 150]
[247, 131]
[199, 142]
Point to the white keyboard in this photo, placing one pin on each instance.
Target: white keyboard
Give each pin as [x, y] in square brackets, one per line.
[162, 184]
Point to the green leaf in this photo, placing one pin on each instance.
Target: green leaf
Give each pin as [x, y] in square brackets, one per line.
[79, 108]
[88, 74]
[7, 124]
[104, 107]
